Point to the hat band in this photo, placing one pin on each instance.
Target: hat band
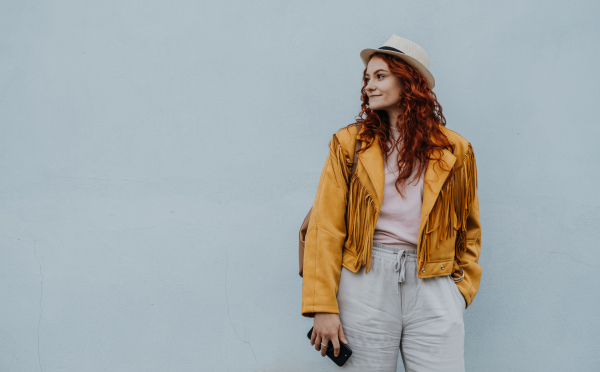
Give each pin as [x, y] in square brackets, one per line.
[391, 49]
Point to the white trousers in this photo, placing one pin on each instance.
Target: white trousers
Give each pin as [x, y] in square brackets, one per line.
[390, 309]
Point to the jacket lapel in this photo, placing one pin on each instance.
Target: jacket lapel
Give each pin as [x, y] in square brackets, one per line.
[435, 176]
[371, 172]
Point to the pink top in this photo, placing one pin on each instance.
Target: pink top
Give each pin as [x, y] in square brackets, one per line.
[399, 219]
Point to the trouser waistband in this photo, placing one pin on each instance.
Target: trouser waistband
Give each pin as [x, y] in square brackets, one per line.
[387, 250]
[399, 255]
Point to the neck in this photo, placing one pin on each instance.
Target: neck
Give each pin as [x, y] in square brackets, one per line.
[393, 116]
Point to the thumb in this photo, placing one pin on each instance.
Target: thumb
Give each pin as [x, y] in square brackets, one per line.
[341, 335]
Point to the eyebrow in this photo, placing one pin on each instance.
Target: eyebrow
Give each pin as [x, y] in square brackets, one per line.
[379, 70]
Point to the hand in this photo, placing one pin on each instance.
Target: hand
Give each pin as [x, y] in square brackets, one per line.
[327, 327]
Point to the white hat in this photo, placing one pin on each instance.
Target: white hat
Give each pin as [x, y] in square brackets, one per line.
[410, 52]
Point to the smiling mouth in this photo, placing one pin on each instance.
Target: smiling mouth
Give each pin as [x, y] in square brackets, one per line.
[374, 96]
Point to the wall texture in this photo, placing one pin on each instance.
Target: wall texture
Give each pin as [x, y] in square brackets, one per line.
[158, 157]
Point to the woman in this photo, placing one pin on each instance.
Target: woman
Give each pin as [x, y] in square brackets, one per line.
[391, 251]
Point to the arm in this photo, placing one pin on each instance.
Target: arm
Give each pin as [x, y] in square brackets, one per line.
[468, 258]
[326, 234]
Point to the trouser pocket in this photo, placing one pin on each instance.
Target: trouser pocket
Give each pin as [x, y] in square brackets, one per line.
[457, 294]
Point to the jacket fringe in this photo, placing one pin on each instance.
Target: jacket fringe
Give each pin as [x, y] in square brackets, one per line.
[360, 213]
[339, 162]
[361, 209]
[451, 209]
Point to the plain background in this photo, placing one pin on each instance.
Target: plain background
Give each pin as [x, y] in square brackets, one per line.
[158, 157]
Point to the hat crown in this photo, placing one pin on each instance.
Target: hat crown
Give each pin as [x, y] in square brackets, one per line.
[408, 51]
[409, 48]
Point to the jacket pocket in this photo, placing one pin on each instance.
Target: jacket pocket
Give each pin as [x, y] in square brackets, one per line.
[349, 261]
[442, 250]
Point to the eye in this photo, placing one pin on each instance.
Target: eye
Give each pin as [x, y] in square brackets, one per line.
[379, 75]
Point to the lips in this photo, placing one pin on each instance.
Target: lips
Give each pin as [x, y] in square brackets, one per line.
[375, 96]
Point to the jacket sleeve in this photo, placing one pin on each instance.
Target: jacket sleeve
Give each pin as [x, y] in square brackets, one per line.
[468, 259]
[326, 234]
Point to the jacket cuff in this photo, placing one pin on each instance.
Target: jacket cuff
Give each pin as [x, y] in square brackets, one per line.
[309, 311]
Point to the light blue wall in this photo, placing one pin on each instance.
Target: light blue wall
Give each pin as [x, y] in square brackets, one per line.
[158, 157]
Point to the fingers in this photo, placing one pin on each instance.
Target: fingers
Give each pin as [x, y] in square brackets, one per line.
[323, 347]
[313, 336]
[317, 342]
[336, 346]
[341, 335]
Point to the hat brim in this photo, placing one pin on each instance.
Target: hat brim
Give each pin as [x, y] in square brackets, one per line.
[365, 54]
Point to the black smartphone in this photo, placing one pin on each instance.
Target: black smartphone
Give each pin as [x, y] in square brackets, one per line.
[343, 356]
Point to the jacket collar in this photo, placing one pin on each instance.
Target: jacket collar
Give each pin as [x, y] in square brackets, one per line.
[370, 169]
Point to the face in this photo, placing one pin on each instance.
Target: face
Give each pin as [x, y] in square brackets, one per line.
[383, 87]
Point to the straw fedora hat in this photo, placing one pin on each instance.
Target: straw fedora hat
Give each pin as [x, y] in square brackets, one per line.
[408, 51]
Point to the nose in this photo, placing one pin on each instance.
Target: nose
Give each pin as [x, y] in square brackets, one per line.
[369, 87]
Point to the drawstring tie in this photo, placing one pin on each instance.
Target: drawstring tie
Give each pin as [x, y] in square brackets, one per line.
[400, 267]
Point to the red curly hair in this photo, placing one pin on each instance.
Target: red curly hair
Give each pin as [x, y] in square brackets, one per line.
[421, 117]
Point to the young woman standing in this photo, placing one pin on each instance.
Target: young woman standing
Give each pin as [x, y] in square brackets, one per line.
[391, 251]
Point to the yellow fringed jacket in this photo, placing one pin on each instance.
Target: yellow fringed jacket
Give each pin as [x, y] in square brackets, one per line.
[341, 226]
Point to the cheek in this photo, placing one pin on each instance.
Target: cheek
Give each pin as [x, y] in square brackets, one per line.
[396, 92]
[391, 91]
